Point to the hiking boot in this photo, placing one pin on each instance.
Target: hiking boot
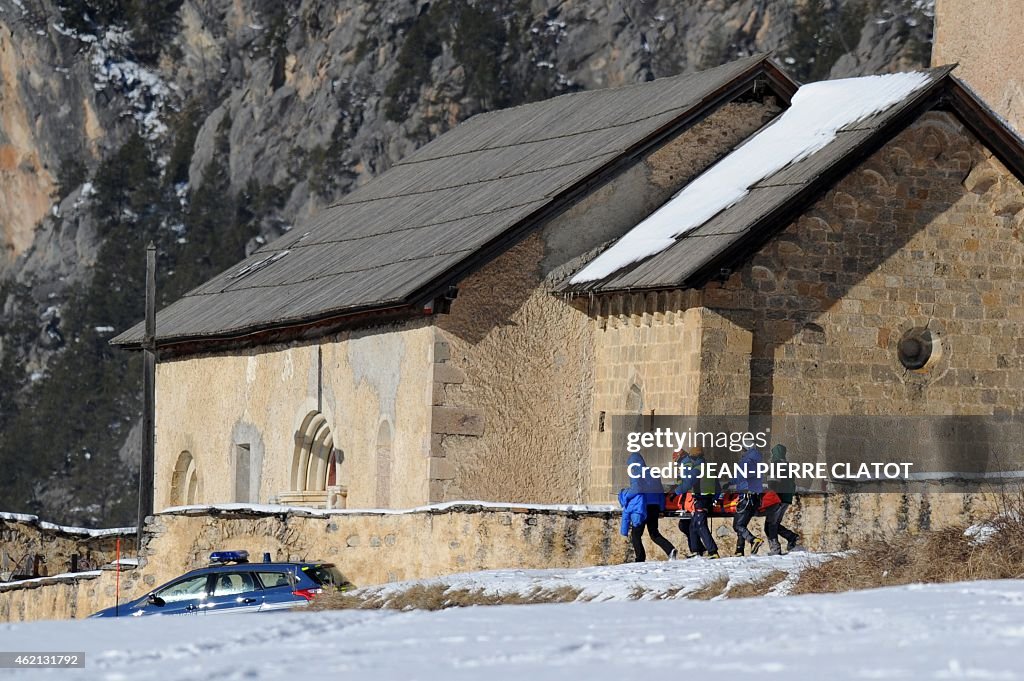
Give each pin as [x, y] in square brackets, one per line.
[794, 545]
[755, 546]
[673, 555]
[739, 553]
[774, 547]
[695, 555]
[713, 556]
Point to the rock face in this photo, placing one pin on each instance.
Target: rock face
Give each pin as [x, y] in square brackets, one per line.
[213, 126]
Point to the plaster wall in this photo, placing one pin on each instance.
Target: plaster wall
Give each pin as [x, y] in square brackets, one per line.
[984, 39]
[208, 405]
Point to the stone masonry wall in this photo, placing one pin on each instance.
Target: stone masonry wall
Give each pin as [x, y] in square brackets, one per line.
[372, 548]
[647, 362]
[660, 354]
[925, 233]
[58, 599]
[514, 371]
[24, 537]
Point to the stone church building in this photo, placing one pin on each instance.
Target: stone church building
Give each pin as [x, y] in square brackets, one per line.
[465, 325]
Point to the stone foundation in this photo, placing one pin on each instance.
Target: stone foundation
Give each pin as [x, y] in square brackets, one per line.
[30, 547]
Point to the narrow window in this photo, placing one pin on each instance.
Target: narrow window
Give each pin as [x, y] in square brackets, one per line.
[243, 473]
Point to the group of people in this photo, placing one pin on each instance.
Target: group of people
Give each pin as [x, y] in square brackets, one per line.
[644, 501]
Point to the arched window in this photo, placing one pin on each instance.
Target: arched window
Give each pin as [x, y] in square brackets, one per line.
[383, 499]
[185, 481]
[316, 462]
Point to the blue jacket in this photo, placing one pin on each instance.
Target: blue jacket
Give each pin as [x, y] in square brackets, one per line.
[751, 482]
[634, 510]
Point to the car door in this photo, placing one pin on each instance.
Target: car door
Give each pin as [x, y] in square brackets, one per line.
[234, 592]
[278, 586]
[187, 596]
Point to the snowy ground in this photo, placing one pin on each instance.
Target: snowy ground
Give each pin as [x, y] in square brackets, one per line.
[634, 581]
[969, 630]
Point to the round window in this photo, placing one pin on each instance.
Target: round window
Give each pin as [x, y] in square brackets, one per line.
[916, 348]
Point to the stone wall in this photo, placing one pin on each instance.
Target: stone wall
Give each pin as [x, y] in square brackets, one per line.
[370, 385]
[923, 234]
[58, 598]
[660, 354]
[514, 410]
[372, 548]
[59, 548]
[984, 39]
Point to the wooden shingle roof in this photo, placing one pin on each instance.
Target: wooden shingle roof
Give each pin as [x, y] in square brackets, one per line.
[404, 237]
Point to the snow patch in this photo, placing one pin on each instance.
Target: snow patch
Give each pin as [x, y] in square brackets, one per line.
[147, 94]
[50, 579]
[277, 509]
[817, 113]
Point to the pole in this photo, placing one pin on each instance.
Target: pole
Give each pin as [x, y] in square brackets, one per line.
[146, 464]
[117, 579]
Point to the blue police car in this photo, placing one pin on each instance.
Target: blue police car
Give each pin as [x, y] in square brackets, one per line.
[231, 584]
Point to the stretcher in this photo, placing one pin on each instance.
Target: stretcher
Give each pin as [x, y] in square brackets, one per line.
[679, 506]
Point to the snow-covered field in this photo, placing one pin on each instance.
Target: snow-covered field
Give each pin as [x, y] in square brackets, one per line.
[967, 630]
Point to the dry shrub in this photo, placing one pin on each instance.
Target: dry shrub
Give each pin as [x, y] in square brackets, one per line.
[638, 592]
[670, 594]
[708, 590]
[758, 587]
[438, 596]
[944, 555]
[341, 601]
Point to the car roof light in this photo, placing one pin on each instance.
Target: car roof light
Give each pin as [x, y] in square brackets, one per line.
[229, 557]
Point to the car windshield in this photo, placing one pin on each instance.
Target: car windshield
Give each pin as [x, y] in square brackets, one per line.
[325, 575]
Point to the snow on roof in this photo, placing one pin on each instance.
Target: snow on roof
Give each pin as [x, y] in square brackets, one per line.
[818, 111]
[43, 525]
[51, 579]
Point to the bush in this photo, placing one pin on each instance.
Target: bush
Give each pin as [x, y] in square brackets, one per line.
[438, 596]
[945, 555]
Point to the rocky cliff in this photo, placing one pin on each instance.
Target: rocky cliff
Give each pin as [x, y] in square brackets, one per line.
[212, 126]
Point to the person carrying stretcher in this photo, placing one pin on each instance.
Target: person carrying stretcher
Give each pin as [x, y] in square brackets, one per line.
[749, 485]
[642, 503]
[703, 490]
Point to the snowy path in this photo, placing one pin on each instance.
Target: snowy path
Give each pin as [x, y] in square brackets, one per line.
[632, 581]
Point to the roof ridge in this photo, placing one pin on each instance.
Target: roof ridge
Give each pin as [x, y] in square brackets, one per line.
[752, 59]
[346, 283]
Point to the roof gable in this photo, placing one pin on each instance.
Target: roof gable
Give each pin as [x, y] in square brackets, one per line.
[456, 203]
[705, 244]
